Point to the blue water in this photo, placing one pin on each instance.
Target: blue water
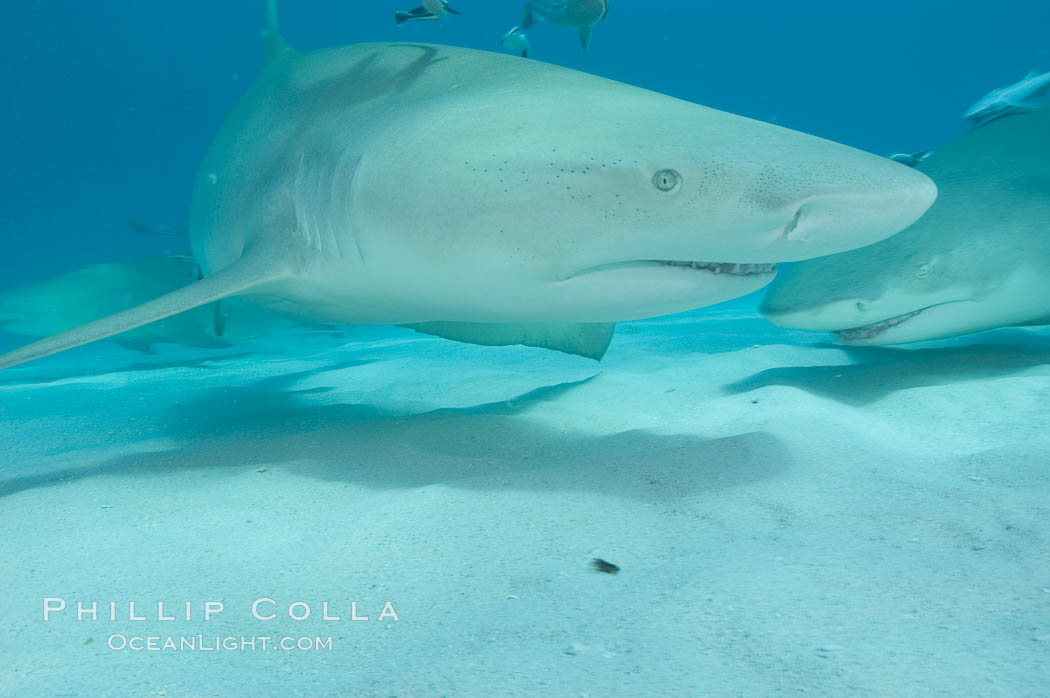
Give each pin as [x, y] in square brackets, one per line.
[109, 107]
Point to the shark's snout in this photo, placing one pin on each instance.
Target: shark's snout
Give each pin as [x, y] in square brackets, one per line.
[855, 215]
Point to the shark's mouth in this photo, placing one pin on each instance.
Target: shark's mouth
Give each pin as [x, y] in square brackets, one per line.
[867, 332]
[724, 267]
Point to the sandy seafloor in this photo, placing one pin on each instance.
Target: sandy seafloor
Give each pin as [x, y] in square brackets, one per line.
[789, 516]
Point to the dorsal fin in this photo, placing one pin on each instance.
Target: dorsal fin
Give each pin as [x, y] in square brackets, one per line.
[274, 45]
[240, 277]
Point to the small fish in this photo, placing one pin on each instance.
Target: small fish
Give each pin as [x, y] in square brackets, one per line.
[575, 14]
[912, 159]
[516, 40]
[1022, 96]
[147, 229]
[430, 9]
[600, 565]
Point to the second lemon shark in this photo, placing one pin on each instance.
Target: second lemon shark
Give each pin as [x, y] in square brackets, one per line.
[979, 259]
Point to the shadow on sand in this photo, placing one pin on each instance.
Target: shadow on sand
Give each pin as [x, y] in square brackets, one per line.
[880, 371]
[488, 446]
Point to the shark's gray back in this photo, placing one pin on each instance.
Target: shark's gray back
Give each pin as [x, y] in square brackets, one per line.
[327, 102]
[995, 193]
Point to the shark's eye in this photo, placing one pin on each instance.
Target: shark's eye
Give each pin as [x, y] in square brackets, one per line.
[667, 180]
[923, 271]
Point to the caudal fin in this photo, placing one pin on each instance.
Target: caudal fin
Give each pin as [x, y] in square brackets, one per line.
[585, 37]
[240, 277]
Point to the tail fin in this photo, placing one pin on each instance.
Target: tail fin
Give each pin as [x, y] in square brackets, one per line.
[585, 37]
[274, 44]
[239, 277]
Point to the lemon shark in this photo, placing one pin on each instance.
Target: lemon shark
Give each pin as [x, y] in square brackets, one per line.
[486, 199]
[1022, 96]
[979, 259]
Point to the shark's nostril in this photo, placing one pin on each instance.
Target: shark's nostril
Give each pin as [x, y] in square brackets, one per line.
[861, 307]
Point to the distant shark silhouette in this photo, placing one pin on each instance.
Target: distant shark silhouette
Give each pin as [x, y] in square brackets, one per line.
[486, 199]
[1022, 96]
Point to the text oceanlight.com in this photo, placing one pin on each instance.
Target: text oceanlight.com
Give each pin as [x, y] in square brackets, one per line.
[215, 643]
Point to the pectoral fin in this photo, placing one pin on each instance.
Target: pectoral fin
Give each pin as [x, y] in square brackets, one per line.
[244, 275]
[1024, 106]
[589, 339]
